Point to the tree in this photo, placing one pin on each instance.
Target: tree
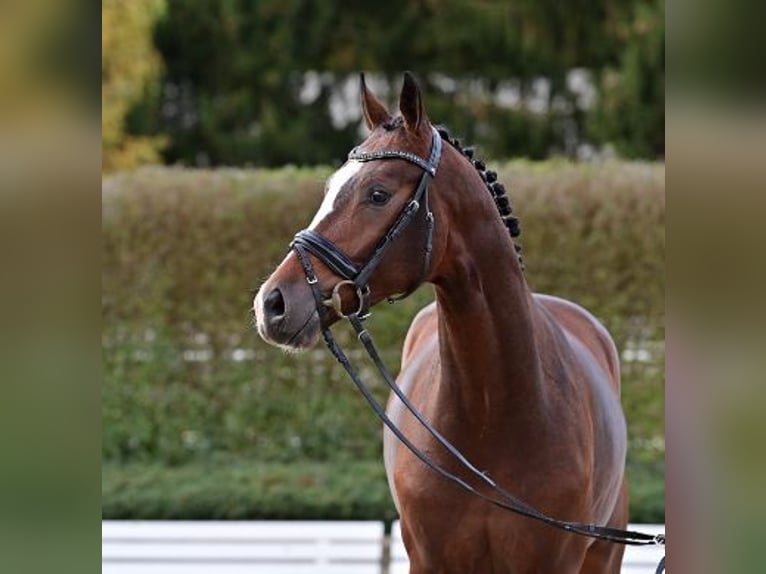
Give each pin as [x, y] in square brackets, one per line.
[130, 71]
[235, 87]
[630, 113]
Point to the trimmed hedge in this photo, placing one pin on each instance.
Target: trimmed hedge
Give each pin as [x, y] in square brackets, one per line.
[240, 489]
[237, 489]
[186, 377]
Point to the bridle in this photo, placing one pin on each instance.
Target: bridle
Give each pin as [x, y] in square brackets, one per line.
[358, 277]
[309, 241]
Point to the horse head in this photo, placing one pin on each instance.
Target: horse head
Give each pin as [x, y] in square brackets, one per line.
[383, 226]
[363, 200]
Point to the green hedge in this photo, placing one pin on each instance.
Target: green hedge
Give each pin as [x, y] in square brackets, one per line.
[184, 250]
[240, 489]
[236, 489]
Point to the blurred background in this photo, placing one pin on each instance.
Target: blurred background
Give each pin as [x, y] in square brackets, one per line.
[220, 122]
[210, 83]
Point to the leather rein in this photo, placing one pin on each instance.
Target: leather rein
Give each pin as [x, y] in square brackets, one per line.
[309, 241]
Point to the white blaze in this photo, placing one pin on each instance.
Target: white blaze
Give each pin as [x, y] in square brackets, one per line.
[334, 185]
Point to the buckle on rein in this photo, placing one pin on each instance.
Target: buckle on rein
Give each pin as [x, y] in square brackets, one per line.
[335, 301]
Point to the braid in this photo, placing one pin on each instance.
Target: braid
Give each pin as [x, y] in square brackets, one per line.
[494, 187]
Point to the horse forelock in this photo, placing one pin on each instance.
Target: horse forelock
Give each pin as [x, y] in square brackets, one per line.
[393, 123]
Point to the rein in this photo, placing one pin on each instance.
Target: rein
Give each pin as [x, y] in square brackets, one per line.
[309, 241]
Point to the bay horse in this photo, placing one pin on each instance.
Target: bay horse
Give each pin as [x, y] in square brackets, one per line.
[526, 385]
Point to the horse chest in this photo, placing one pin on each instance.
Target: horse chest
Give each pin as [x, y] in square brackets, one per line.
[469, 538]
[445, 530]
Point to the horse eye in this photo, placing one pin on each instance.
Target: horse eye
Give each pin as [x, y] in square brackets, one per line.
[379, 196]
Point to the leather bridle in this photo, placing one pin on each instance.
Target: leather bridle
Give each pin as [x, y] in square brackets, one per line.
[358, 277]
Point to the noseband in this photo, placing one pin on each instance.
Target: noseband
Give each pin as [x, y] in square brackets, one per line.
[358, 277]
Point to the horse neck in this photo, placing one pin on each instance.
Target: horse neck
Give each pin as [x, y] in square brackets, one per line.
[490, 365]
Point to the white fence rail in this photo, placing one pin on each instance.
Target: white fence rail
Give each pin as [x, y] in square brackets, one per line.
[274, 547]
[170, 547]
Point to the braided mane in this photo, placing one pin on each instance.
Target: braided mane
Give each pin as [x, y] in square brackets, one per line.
[494, 187]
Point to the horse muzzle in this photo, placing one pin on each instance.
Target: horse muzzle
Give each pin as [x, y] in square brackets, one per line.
[286, 315]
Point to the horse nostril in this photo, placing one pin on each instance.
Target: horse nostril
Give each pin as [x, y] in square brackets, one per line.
[274, 305]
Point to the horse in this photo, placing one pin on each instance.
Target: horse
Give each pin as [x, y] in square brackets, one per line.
[526, 385]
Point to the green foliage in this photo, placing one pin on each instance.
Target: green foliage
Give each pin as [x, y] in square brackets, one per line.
[631, 109]
[249, 106]
[646, 485]
[130, 72]
[183, 251]
[240, 490]
[237, 489]
[234, 93]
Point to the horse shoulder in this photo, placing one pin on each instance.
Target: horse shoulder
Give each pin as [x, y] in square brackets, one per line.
[424, 324]
[418, 355]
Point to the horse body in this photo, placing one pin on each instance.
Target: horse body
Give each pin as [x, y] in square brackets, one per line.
[526, 386]
[559, 462]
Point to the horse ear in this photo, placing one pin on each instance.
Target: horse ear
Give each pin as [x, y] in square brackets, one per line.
[374, 112]
[411, 103]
